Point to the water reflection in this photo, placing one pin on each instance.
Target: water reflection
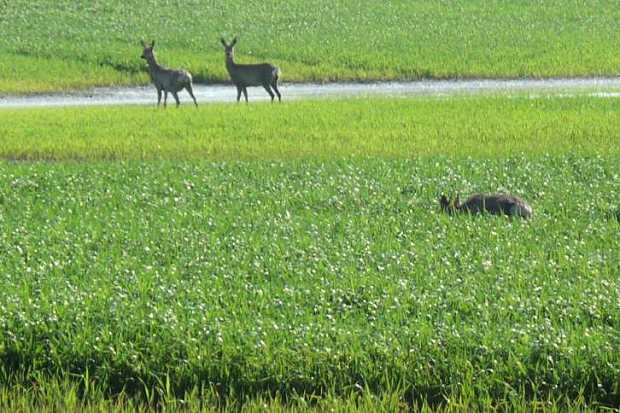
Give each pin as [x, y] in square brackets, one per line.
[144, 95]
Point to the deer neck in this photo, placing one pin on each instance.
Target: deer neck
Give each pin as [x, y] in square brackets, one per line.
[153, 65]
[230, 64]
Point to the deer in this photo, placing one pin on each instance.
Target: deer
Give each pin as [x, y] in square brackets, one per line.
[168, 80]
[261, 74]
[496, 204]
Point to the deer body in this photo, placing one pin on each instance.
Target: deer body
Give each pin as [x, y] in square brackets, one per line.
[244, 75]
[497, 204]
[167, 80]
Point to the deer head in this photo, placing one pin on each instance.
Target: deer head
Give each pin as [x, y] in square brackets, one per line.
[448, 204]
[229, 47]
[148, 50]
[445, 203]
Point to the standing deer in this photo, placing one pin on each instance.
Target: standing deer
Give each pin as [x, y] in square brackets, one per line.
[168, 80]
[497, 204]
[261, 74]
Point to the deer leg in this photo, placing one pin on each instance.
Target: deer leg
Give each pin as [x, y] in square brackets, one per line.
[158, 96]
[238, 93]
[165, 97]
[245, 94]
[191, 93]
[268, 89]
[175, 95]
[274, 85]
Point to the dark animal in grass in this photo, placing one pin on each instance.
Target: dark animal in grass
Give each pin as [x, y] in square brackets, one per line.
[613, 215]
[167, 80]
[497, 204]
[259, 74]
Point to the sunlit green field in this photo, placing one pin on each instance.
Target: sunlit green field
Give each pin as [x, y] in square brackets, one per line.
[476, 126]
[294, 256]
[57, 45]
[291, 278]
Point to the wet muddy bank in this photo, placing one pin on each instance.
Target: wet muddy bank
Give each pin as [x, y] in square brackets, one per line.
[142, 95]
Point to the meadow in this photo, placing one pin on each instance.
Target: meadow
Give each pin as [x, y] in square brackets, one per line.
[292, 280]
[294, 256]
[59, 45]
[476, 126]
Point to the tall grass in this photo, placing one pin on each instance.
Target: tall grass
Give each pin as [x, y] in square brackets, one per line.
[455, 127]
[98, 43]
[316, 278]
[294, 256]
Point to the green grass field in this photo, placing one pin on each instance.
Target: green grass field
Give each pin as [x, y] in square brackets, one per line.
[302, 277]
[57, 45]
[483, 126]
[295, 256]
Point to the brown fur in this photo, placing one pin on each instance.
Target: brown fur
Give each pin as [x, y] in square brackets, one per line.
[261, 74]
[167, 80]
[497, 204]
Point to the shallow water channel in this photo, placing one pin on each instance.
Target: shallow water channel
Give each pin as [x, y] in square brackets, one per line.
[142, 95]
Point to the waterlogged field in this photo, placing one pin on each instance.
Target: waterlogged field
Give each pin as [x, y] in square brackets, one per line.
[478, 126]
[58, 45]
[314, 277]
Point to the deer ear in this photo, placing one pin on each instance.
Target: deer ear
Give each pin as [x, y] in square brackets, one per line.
[152, 44]
[234, 42]
[223, 42]
[143, 43]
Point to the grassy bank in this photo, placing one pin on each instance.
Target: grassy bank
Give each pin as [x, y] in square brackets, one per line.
[488, 126]
[51, 45]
